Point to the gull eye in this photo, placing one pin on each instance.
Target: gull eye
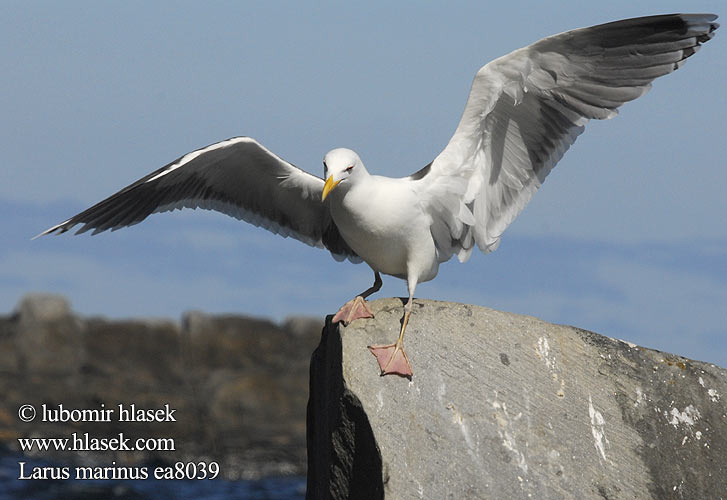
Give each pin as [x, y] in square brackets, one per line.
[349, 169]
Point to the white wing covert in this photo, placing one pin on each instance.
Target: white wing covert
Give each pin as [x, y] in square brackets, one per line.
[525, 109]
[238, 177]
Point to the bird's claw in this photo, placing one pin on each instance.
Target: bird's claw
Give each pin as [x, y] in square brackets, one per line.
[354, 309]
[392, 359]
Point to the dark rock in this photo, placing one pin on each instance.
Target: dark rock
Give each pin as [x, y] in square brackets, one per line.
[508, 406]
[343, 459]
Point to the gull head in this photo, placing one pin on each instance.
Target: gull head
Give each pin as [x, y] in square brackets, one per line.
[341, 165]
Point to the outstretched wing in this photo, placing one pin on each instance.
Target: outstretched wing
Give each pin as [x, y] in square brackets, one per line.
[525, 109]
[238, 177]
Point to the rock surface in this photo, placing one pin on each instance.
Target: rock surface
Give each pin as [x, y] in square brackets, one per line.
[508, 406]
[239, 385]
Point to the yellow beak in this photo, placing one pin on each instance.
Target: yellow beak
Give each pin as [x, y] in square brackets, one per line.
[328, 187]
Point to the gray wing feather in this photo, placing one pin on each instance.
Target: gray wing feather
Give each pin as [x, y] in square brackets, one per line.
[527, 108]
[238, 177]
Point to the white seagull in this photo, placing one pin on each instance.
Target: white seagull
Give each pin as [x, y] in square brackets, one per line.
[524, 111]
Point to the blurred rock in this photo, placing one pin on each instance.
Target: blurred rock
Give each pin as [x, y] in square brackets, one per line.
[51, 340]
[238, 384]
[299, 326]
[43, 307]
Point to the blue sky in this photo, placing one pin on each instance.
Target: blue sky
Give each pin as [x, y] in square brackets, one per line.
[626, 238]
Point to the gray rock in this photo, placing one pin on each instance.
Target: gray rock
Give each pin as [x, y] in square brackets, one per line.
[508, 406]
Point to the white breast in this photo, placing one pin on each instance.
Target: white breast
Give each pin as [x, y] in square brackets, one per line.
[382, 222]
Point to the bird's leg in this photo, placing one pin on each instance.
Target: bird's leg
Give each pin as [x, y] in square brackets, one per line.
[392, 358]
[358, 308]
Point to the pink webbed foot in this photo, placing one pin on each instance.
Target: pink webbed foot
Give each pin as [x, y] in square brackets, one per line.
[353, 310]
[392, 359]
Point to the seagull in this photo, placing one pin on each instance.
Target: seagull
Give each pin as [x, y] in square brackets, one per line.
[524, 111]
